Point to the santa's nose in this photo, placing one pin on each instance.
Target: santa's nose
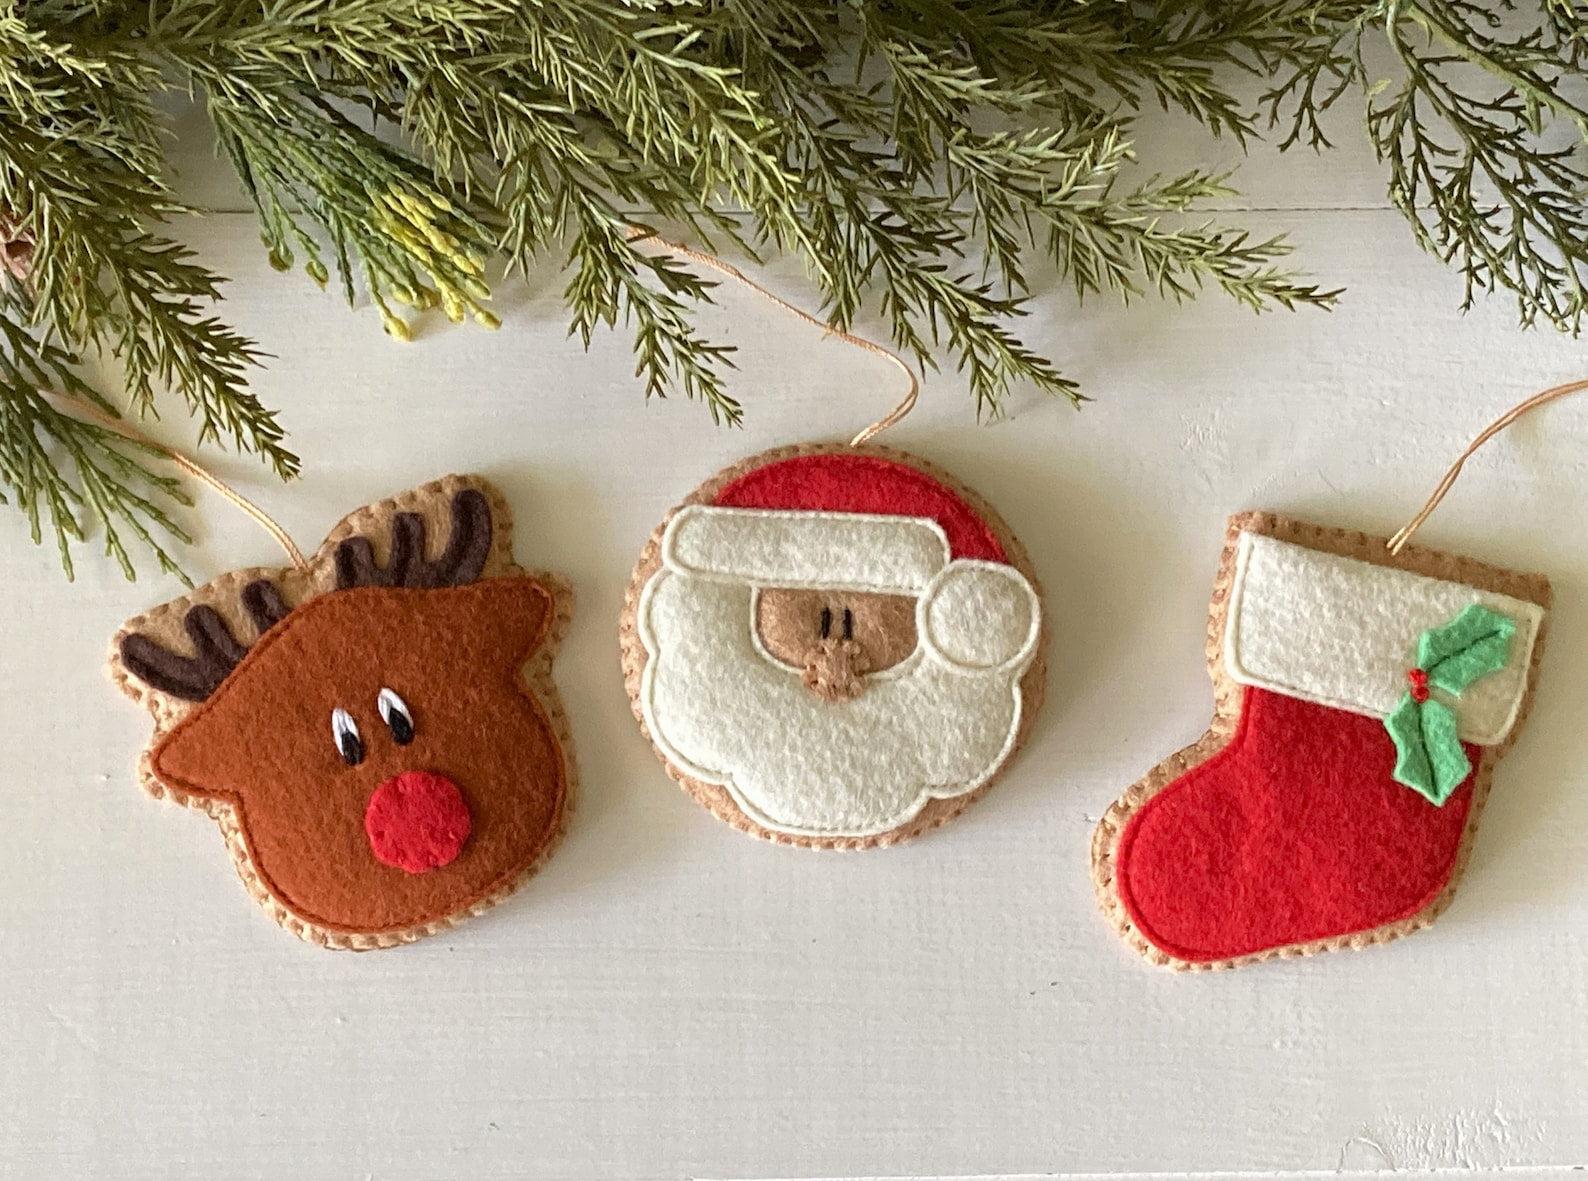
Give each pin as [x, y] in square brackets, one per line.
[835, 670]
[417, 821]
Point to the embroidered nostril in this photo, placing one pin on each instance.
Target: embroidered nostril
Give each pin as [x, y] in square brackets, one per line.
[417, 821]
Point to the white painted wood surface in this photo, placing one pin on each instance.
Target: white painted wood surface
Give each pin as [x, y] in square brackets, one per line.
[671, 999]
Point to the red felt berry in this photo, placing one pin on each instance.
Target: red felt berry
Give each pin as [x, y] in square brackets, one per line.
[1419, 684]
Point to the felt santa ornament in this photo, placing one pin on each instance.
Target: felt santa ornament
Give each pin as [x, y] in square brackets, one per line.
[834, 646]
[1364, 691]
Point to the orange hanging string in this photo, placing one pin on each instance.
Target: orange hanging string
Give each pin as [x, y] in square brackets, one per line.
[639, 234]
[1398, 542]
[93, 414]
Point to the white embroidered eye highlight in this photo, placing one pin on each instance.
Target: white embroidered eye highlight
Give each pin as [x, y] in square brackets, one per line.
[394, 712]
[344, 732]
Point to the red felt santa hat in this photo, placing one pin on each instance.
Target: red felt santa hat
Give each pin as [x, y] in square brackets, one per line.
[833, 520]
[865, 484]
[864, 523]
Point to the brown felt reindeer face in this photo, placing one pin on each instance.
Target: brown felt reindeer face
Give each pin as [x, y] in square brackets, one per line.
[381, 759]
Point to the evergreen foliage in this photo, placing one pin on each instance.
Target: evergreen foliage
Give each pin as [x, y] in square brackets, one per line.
[927, 159]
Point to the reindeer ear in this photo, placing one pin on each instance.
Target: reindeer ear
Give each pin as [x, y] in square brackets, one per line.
[213, 751]
[502, 620]
[277, 714]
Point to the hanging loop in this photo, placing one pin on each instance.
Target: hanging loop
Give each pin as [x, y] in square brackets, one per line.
[1398, 542]
[99, 418]
[892, 418]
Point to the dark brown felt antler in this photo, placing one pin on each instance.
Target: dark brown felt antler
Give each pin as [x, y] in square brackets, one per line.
[264, 604]
[460, 563]
[216, 651]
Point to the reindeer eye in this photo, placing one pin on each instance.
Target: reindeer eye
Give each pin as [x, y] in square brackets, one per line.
[344, 731]
[394, 712]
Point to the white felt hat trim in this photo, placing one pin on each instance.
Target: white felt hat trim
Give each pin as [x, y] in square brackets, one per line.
[802, 549]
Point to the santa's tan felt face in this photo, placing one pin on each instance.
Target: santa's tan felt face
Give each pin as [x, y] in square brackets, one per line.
[835, 637]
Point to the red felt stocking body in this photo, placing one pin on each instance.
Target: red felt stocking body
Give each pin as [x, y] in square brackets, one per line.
[1294, 832]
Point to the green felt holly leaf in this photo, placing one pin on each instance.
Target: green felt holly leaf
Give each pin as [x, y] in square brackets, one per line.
[1472, 645]
[1429, 756]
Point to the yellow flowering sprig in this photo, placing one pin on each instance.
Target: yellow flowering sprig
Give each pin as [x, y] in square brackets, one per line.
[455, 269]
[315, 176]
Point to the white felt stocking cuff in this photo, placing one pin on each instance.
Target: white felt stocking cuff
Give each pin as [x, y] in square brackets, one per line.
[1343, 632]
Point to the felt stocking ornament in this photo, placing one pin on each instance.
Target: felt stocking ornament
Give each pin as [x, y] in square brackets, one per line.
[374, 729]
[834, 645]
[1364, 691]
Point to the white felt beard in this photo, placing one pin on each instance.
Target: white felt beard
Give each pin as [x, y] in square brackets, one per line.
[726, 712]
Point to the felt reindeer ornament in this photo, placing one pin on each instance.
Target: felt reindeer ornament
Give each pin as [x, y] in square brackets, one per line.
[834, 645]
[1364, 690]
[374, 729]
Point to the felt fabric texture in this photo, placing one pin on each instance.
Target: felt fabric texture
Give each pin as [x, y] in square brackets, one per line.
[1475, 644]
[1342, 632]
[865, 482]
[830, 479]
[433, 681]
[1296, 831]
[265, 605]
[192, 678]
[824, 550]
[261, 743]
[979, 616]
[417, 821]
[1429, 757]
[1282, 831]
[836, 670]
[468, 547]
[794, 624]
[727, 713]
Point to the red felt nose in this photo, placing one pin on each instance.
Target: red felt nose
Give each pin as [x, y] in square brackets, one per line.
[417, 821]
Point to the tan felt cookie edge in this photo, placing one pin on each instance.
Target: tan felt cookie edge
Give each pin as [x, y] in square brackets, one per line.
[717, 800]
[1227, 698]
[431, 500]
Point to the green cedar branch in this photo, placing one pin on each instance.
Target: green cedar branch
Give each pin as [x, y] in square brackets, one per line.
[57, 465]
[932, 162]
